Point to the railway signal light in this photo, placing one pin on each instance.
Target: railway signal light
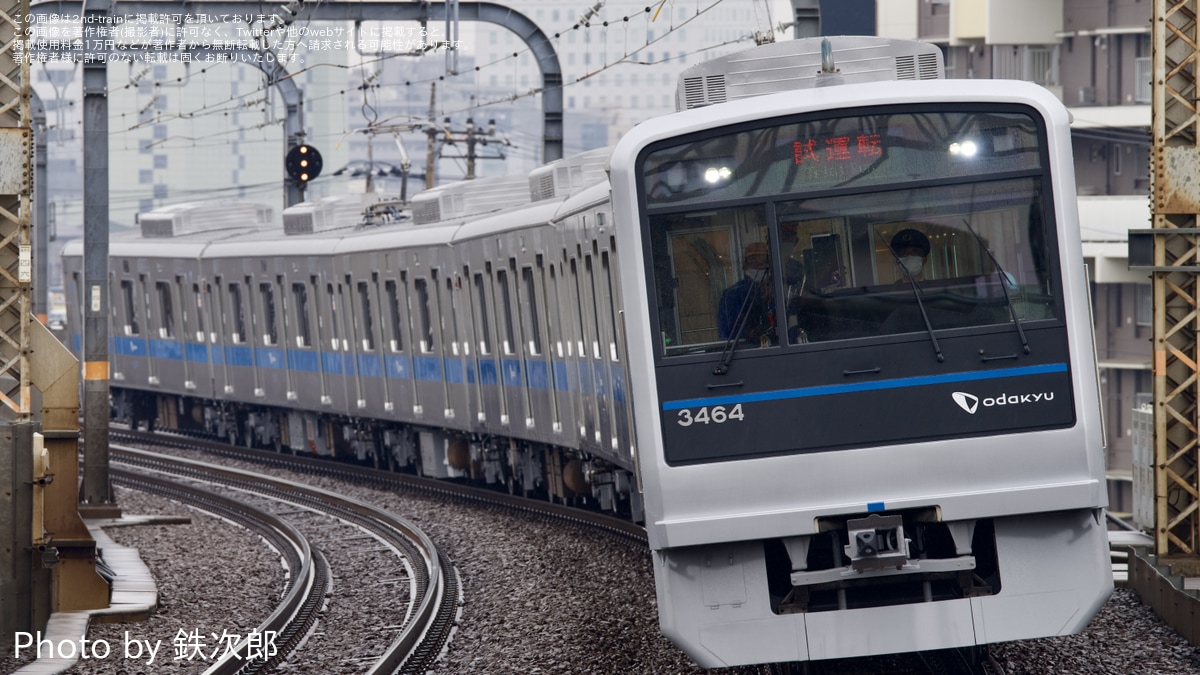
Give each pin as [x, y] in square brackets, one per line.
[303, 163]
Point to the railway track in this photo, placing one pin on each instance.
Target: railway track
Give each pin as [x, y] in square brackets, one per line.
[433, 585]
[943, 662]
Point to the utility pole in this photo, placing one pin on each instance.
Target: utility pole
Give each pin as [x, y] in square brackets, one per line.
[472, 137]
[431, 134]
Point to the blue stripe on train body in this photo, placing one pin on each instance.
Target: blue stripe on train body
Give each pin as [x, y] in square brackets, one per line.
[830, 390]
[592, 378]
[536, 374]
[511, 372]
[303, 361]
[196, 352]
[398, 366]
[455, 373]
[332, 363]
[487, 372]
[128, 346]
[239, 356]
[169, 350]
[427, 368]
[369, 365]
[269, 357]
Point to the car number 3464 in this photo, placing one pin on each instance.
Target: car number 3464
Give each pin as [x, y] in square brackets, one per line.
[717, 414]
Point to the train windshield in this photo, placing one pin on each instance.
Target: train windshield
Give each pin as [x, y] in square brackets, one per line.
[857, 226]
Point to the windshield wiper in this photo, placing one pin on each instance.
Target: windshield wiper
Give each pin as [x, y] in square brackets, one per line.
[1003, 285]
[735, 333]
[916, 294]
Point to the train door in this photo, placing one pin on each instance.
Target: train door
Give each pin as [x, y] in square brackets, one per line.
[585, 315]
[167, 351]
[511, 380]
[454, 365]
[180, 300]
[286, 334]
[335, 363]
[142, 300]
[371, 313]
[270, 364]
[560, 396]
[222, 327]
[361, 340]
[537, 369]
[239, 356]
[487, 385]
[600, 354]
[396, 363]
[615, 369]
[427, 365]
[323, 338]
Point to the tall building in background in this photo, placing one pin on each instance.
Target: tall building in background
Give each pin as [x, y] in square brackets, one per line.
[1096, 57]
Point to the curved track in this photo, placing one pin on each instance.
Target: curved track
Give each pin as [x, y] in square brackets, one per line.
[430, 617]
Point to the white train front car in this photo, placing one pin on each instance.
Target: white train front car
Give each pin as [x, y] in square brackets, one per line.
[861, 357]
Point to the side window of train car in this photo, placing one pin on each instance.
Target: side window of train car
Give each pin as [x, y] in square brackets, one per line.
[554, 313]
[198, 305]
[166, 310]
[303, 329]
[271, 329]
[131, 322]
[610, 290]
[425, 325]
[481, 304]
[238, 312]
[396, 338]
[452, 337]
[335, 336]
[506, 312]
[531, 312]
[592, 301]
[368, 322]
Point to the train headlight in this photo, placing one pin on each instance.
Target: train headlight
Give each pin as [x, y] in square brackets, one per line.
[964, 149]
[714, 175]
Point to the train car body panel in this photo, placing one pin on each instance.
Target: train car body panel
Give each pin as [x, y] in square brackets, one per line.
[889, 407]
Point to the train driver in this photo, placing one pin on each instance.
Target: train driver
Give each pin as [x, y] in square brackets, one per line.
[750, 303]
[912, 249]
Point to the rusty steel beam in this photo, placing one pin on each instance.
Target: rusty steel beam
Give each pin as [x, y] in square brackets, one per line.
[16, 188]
[1175, 203]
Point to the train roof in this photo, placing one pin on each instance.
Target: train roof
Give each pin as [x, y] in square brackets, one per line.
[204, 218]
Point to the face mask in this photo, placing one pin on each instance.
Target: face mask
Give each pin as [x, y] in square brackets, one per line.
[913, 264]
[756, 275]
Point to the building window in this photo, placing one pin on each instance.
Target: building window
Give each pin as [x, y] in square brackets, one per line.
[1144, 305]
[1141, 79]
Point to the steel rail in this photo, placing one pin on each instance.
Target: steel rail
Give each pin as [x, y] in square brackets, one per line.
[434, 591]
[308, 571]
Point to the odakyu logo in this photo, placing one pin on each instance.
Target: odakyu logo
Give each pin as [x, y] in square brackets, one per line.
[971, 402]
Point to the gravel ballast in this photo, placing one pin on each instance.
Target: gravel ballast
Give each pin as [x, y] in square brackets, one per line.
[540, 597]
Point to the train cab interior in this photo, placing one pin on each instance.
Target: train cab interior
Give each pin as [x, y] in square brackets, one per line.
[834, 268]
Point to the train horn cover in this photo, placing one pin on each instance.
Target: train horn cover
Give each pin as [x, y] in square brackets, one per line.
[303, 163]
